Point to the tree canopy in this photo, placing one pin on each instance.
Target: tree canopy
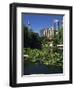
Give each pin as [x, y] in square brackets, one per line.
[31, 39]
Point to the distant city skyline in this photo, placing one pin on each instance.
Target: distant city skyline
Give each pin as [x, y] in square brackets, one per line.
[38, 22]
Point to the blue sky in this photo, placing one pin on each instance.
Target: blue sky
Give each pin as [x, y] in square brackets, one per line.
[38, 22]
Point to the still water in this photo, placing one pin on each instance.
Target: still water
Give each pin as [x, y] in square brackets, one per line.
[41, 69]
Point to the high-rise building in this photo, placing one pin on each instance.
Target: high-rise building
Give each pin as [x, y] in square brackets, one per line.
[56, 24]
[29, 25]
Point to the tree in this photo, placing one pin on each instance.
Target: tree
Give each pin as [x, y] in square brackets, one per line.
[31, 39]
[61, 36]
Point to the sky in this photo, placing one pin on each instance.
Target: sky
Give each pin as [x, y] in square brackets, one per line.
[38, 22]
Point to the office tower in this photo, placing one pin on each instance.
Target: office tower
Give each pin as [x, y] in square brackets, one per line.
[56, 24]
[29, 25]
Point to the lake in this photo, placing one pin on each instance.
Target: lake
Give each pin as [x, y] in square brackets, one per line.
[41, 69]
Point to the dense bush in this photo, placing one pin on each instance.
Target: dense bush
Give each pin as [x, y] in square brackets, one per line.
[39, 50]
[45, 56]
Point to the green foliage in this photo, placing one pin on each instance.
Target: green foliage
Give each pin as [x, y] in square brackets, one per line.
[44, 56]
[60, 36]
[31, 39]
[39, 50]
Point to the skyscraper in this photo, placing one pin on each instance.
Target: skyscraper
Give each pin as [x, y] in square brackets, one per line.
[29, 25]
[56, 24]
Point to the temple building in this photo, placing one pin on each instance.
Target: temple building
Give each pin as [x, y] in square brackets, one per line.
[50, 32]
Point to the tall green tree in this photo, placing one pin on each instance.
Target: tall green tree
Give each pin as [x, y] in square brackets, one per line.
[31, 39]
